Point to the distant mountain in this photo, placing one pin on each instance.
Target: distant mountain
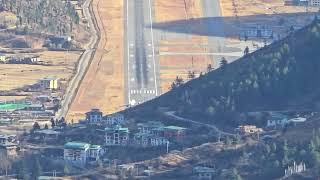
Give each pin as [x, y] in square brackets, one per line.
[281, 76]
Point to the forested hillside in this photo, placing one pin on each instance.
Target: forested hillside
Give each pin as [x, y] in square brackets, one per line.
[53, 16]
[268, 79]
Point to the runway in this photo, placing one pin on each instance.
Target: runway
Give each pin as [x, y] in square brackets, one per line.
[141, 60]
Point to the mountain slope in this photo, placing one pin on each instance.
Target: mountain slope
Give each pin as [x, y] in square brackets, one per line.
[272, 78]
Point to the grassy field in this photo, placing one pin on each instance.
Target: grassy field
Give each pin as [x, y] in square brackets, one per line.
[103, 85]
[18, 75]
[179, 65]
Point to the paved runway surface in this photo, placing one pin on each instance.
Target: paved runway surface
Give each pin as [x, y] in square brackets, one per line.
[142, 73]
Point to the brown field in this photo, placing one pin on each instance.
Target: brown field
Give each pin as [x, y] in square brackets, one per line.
[18, 75]
[172, 66]
[103, 84]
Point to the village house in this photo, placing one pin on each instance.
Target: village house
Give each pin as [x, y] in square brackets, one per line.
[174, 132]
[248, 129]
[117, 136]
[314, 2]
[150, 127]
[95, 152]
[114, 119]
[94, 116]
[35, 59]
[203, 172]
[146, 140]
[79, 153]
[277, 120]
[3, 58]
[46, 135]
[8, 146]
[49, 83]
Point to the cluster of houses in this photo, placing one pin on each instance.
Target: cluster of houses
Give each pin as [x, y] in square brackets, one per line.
[149, 134]
[32, 108]
[275, 120]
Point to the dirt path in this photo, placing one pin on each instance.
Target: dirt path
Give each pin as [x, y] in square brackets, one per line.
[103, 84]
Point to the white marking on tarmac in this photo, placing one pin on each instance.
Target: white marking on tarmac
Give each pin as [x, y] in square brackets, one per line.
[152, 42]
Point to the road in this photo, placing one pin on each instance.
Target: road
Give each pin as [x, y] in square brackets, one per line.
[84, 62]
[172, 115]
[142, 71]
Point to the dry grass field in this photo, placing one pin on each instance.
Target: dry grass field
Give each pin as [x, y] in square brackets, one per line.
[179, 65]
[103, 85]
[14, 76]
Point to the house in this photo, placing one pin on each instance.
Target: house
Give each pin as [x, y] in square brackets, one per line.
[8, 145]
[9, 149]
[150, 127]
[174, 132]
[146, 139]
[3, 58]
[35, 59]
[94, 116]
[248, 129]
[95, 152]
[277, 120]
[117, 136]
[314, 2]
[47, 134]
[114, 119]
[49, 83]
[79, 153]
[34, 107]
[203, 172]
[76, 152]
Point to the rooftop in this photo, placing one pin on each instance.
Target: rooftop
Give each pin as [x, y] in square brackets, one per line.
[118, 127]
[95, 147]
[174, 128]
[76, 145]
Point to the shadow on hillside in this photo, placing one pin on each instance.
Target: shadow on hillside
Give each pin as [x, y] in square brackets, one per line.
[232, 26]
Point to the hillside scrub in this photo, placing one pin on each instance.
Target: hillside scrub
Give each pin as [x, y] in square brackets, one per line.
[269, 78]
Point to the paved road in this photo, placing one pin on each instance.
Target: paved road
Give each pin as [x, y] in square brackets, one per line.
[84, 62]
[142, 74]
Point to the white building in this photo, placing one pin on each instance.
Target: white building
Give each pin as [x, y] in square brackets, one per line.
[79, 153]
[114, 119]
[49, 83]
[277, 120]
[314, 2]
[94, 116]
[116, 136]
